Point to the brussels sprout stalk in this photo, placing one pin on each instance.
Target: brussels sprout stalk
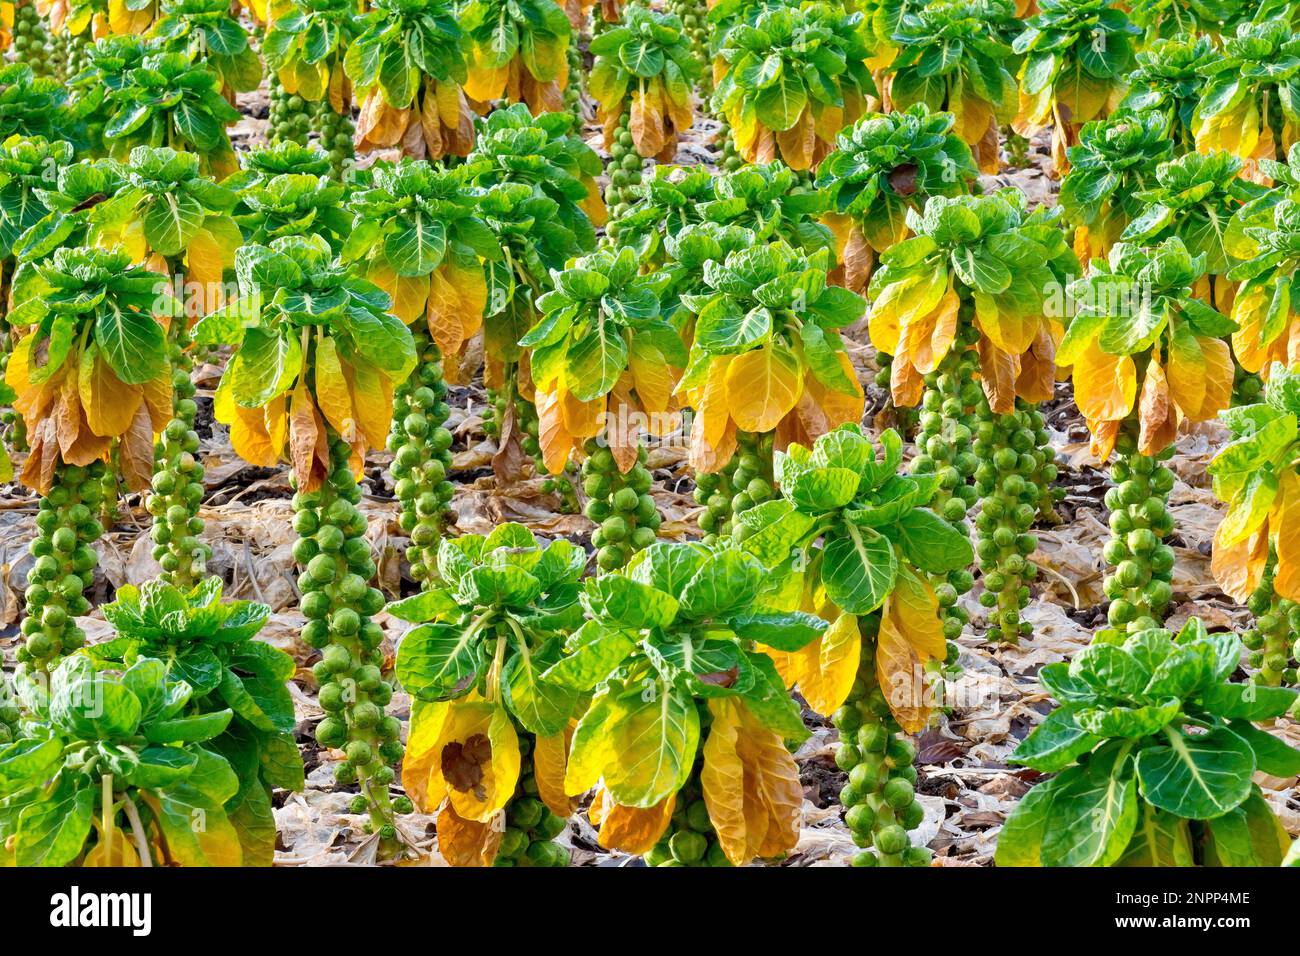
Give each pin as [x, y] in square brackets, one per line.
[422, 459]
[1272, 642]
[1009, 450]
[289, 117]
[178, 479]
[31, 41]
[620, 504]
[338, 604]
[746, 480]
[880, 798]
[64, 566]
[691, 839]
[1142, 565]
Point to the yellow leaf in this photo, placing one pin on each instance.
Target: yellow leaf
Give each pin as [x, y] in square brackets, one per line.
[1104, 385]
[751, 785]
[1238, 568]
[1157, 415]
[204, 258]
[468, 842]
[898, 669]
[550, 758]
[762, 387]
[1285, 522]
[1219, 373]
[646, 122]
[835, 657]
[372, 401]
[555, 441]
[109, 402]
[409, 293]
[332, 394]
[633, 829]
[940, 330]
[650, 376]
[581, 419]
[422, 752]
[916, 608]
[473, 761]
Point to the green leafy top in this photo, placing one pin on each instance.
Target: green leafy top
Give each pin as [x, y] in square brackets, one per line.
[293, 204]
[92, 724]
[31, 105]
[725, 15]
[500, 610]
[1115, 160]
[1170, 18]
[1261, 57]
[1148, 734]
[27, 166]
[599, 313]
[887, 164]
[770, 201]
[1167, 79]
[311, 32]
[1195, 197]
[1249, 471]
[990, 248]
[645, 45]
[168, 100]
[536, 30]
[80, 190]
[165, 191]
[790, 59]
[402, 42]
[847, 518]
[672, 628]
[205, 31]
[287, 289]
[1255, 219]
[97, 297]
[1270, 247]
[953, 51]
[538, 180]
[260, 164]
[1075, 45]
[1159, 279]
[414, 215]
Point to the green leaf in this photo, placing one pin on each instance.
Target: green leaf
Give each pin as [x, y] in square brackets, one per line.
[1094, 813]
[783, 630]
[53, 831]
[131, 342]
[858, 569]
[595, 652]
[1197, 776]
[621, 602]
[724, 584]
[438, 661]
[194, 729]
[1055, 743]
[1020, 842]
[931, 543]
[1248, 835]
[542, 706]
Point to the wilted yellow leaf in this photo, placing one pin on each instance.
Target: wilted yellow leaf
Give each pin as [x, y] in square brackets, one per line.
[762, 387]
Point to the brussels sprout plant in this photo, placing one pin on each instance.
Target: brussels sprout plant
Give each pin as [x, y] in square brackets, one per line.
[420, 238]
[970, 291]
[687, 725]
[1146, 355]
[408, 64]
[305, 47]
[91, 371]
[951, 56]
[852, 541]
[1076, 56]
[489, 730]
[604, 363]
[792, 80]
[109, 770]
[517, 50]
[1152, 754]
[312, 379]
[1255, 547]
[237, 689]
[642, 79]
